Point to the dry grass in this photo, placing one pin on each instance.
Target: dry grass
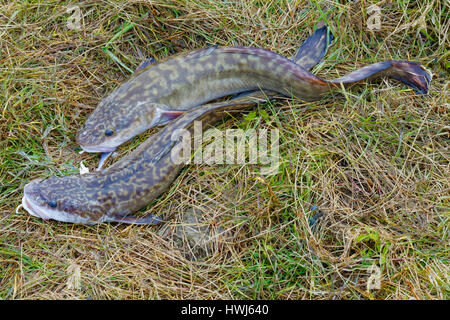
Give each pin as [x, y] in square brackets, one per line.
[374, 161]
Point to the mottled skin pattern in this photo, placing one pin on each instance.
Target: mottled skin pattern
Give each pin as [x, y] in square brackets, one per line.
[129, 184]
[88, 199]
[133, 182]
[182, 83]
[151, 96]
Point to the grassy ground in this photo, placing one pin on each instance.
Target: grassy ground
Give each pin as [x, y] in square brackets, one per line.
[370, 166]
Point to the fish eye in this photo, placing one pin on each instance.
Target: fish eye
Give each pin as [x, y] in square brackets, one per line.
[109, 132]
[52, 204]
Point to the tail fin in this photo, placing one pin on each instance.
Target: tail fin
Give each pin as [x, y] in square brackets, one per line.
[408, 72]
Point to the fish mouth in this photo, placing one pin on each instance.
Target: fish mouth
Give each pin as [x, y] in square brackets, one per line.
[32, 206]
[33, 209]
[95, 149]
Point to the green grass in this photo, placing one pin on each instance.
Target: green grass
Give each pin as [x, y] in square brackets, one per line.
[363, 180]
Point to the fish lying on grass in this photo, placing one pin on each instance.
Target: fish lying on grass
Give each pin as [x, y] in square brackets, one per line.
[165, 90]
[308, 55]
[67, 208]
[159, 92]
[112, 194]
[89, 208]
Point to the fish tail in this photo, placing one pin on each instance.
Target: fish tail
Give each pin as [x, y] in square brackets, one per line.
[410, 73]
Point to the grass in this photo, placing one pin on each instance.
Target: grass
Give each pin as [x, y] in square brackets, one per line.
[363, 180]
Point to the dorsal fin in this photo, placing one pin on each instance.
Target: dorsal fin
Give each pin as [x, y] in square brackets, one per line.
[201, 52]
[250, 50]
[144, 64]
[151, 62]
[314, 48]
[307, 56]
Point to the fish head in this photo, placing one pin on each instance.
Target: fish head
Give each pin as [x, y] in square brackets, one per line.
[114, 122]
[64, 199]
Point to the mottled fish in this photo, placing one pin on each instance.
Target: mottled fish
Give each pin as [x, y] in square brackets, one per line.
[111, 195]
[162, 91]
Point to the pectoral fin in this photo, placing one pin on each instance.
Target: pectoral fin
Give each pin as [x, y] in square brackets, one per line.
[170, 115]
[103, 157]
